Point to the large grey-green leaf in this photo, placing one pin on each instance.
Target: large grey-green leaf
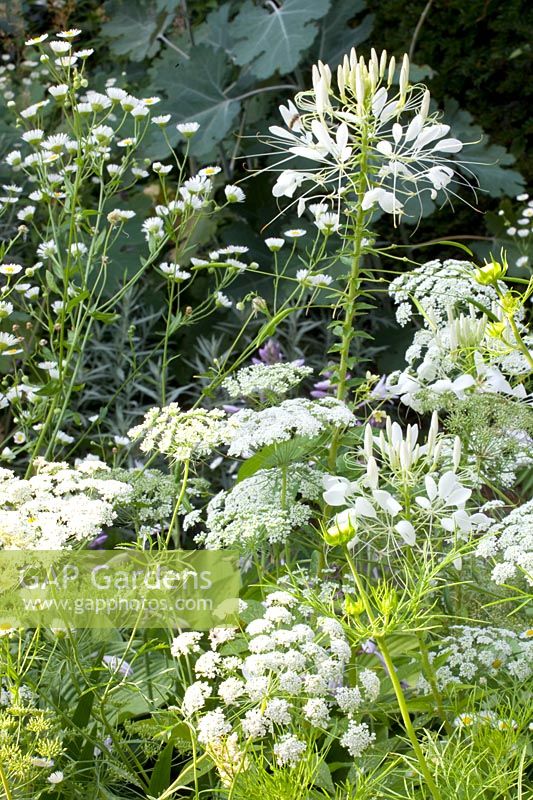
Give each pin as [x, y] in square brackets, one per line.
[336, 36]
[216, 30]
[134, 26]
[197, 91]
[276, 35]
[489, 162]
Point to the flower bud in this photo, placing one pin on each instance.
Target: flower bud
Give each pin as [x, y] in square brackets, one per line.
[491, 272]
[343, 529]
[352, 606]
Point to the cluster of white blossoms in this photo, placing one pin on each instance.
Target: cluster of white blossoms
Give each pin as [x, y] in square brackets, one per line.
[363, 125]
[466, 345]
[58, 506]
[265, 508]
[406, 493]
[262, 380]
[439, 286]
[248, 431]
[181, 435]
[509, 543]
[473, 655]
[283, 679]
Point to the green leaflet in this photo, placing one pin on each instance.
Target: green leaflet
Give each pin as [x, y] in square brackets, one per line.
[276, 37]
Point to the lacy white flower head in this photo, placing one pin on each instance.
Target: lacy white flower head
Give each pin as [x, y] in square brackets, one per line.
[56, 507]
[509, 545]
[474, 654]
[438, 287]
[180, 434]
[286, 670]
[262, 380]
[362, 118]
[261, 509]
[407, 493]
[248, 431]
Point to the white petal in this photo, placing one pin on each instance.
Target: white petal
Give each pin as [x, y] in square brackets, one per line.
[386, 501]
[429, 134]
[397, 131]
[415, 126]
[406, 531]
[448, 146]
[364, 508]
[384, 147]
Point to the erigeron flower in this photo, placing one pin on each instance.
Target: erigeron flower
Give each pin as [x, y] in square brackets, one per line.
[180, 434]
[153, 228]
[115, 94]
[33, 136]
[294, 233]
[161, 120]
[187, 129]
[131, 141]
[60, 47]
[139, 111]
[9, 344]
[274, 244]
[6, 309]
[36, 40]
[26, 214]
[222, 300]
[55, 777]
[234, 194]
[47, 249]
[78, 249]
[66, 61]
[10, 269]
[119, 215]
[174, 271]
[71, 33]
[261, 379]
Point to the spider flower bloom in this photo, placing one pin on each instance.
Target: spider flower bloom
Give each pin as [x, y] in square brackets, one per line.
[364, 138]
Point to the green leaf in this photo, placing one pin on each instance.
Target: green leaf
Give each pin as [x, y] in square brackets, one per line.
[76, 301]
[281, 454]
[489, 162]
[105, 317]
[160, 777]
[274, 38]
[337, 36]
[198, 91]
[216, 31]
[134, 27]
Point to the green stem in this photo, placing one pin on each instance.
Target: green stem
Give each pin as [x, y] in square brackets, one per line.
[181, 495]
[429, 674]
[5, 785]
[400, 696]
[520, 342]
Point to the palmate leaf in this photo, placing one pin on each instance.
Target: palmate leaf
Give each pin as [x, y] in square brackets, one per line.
[197, 90]
[275, 35]
[134, 26]
[336, 36]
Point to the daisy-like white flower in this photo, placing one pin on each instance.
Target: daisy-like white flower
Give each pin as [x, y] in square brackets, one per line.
[47, 249]
[274, 244]
[188, 129]
[71, 33]
[173, 271]
[10, 269]
[33, 136]
[36, 40]
[161, 120]
[295, 233]
[119, 215]
[161, 169]
[66, 61]
[60, 47]
[234, 194]
[8, 344]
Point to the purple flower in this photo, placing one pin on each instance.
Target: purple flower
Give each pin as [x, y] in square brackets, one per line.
[116, 664]
[270, 353]
[100, 539]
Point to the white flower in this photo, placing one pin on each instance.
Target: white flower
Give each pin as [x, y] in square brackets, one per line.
[234, 194]
[294, 233]
[34, 136]
[161, 120]
[188, 129]
[357, 738]
[186, 643]
[274, 244]
[222, 300]
[387, 201]
[10, 269]
[173, 271]
[289, 750]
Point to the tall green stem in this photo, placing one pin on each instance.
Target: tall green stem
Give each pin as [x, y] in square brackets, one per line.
[396, 685]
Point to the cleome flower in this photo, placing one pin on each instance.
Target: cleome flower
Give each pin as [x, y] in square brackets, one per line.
[363, 128]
